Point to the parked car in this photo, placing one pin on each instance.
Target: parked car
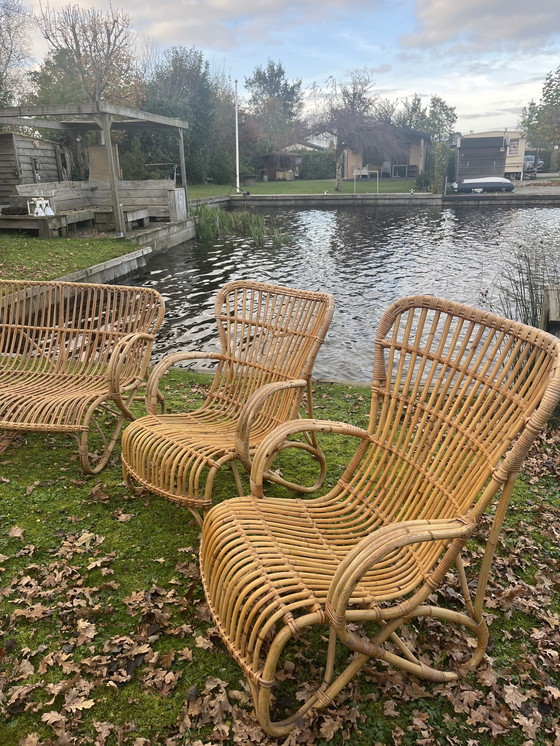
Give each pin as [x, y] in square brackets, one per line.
[529, 163]
[484, 184]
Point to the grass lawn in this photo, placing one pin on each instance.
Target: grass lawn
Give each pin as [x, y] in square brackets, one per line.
[25, 257]
[362, 186]
[105, 638]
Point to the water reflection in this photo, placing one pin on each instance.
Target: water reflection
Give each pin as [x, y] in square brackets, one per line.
[365, 257]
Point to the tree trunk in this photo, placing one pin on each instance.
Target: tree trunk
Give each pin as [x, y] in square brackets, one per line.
[339, 170]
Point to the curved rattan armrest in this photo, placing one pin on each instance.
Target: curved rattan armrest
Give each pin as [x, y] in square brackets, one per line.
[371, 550]
[164, 365]
[129, 360]
[272, 444]
[251, 409]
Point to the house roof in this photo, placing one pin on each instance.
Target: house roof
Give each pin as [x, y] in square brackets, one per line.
[30, 116]
[416, 133]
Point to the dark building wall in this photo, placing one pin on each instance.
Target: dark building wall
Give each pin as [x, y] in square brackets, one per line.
[480, 156]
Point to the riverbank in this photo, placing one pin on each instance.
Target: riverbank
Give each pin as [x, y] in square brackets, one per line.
[88, 257]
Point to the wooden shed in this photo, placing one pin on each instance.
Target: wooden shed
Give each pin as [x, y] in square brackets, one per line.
[28, 160]
[480, 156]
[494, 153]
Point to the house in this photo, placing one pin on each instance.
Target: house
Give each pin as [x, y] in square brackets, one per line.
[25, 159]
[393, 152]
[493, 153]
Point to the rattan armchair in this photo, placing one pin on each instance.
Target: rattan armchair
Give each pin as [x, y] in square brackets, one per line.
[458, 397]
[269, 337]
[72, 358]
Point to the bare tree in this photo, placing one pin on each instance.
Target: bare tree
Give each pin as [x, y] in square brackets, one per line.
[100, 43]
[350, 112]
[14, 48]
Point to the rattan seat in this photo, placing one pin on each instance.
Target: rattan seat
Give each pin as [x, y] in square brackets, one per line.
[72, 358]
[62, 406]
[458, 397]
[269, 338]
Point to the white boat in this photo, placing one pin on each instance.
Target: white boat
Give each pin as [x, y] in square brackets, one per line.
[484, 184]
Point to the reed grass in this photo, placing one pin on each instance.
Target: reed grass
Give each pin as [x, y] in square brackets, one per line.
[214, 222]
[526, 271]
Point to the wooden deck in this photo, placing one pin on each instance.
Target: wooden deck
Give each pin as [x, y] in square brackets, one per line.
[48, 226]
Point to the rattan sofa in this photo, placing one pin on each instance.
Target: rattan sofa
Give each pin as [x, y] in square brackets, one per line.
[72, 357]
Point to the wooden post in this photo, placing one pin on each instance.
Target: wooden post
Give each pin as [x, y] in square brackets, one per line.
[550, 310]
[58, 162]
[183, 167]
[105, 121]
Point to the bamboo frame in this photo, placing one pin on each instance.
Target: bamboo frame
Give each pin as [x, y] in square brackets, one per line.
[269, 337]
[71, 354]
[458, 396]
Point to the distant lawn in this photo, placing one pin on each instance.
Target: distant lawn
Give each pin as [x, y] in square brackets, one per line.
[363, 186]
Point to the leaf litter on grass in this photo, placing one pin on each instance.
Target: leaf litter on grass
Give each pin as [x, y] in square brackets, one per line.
[106, 637]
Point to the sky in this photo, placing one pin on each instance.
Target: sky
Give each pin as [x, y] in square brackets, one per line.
[487, 58]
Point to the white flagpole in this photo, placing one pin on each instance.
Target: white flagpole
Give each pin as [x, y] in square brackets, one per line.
[236, 141]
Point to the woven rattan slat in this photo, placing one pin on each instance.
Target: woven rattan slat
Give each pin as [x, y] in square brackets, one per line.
[458, 396]
[269, 337]
[73, 355]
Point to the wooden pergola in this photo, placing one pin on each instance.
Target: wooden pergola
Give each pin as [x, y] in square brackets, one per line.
[98, 116]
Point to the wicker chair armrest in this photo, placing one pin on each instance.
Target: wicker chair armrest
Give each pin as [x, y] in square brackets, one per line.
[129, 359]
[164, 365]
[272, 444]
[251, 409]
[371, 550]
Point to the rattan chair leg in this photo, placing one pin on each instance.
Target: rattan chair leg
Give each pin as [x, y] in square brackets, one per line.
[89, 463]
[240, 490]
[137, 489]
[329, 688]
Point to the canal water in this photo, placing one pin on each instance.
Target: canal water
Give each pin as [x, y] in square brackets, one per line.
[366, 258]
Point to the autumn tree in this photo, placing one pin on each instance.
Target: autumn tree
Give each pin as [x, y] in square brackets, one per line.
[99, 45]
[412, 114]
[540, 122]
[180, 86]
[441, 121]
[275, 103]
[14, 49]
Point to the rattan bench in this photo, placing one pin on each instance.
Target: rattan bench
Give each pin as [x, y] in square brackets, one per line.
[72, 357]
[458, 396]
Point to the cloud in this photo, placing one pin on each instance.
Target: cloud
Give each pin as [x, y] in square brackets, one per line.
[224, 24]
[480, 24]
